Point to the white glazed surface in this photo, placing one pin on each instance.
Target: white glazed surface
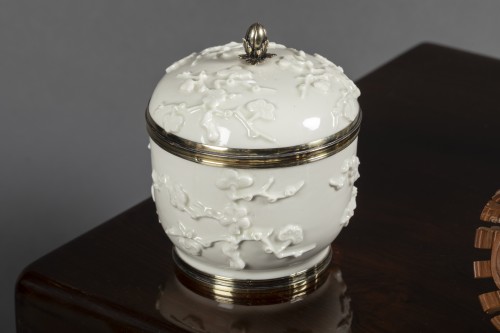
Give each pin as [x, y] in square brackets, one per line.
[215, 98]
[254, 223]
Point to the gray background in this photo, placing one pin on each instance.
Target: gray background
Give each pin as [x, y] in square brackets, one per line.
[75, 78]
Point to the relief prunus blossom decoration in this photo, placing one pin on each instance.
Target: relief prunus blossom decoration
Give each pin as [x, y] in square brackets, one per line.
[217, 90]
[349, 173]
[321, 74]
[234, 217]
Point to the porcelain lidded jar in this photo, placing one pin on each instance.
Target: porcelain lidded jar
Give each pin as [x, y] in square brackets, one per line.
[254, 160]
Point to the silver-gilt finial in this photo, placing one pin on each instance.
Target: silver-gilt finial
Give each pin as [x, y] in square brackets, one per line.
[255, 44]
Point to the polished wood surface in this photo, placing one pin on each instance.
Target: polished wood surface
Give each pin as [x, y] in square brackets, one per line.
[429, 162]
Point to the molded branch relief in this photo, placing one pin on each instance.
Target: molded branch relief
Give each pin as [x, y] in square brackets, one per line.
[312, 75]
[346, 105]
[253, 111]
[349, 172]
[220, 95]
[288, 235]
[320, 75]
[187, 239]
[180, 200]
[234, 217]
[233, 180]
[276, 243]
[236, 193]
[217, 89]
[351, 206]
[170, 116]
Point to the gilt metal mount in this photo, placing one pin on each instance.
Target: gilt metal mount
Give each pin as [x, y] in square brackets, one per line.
[255, 44]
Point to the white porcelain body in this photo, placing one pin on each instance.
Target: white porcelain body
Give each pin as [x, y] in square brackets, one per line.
[254, 223]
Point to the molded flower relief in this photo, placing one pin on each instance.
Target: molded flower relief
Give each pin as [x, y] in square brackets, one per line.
[337, 183]
[351, 168]
[173, 122]
[291, 190]
[170, 116]
[231, 250]
[234, 214]
[159, 180]
[190, 246]
[255, 110]
[260, 109]
[194, 82]
[346, 105]
[339, 74]
[187, 239]
[281, 245]
[212, 101]
[234, 217]
[180, 200]
[216, 89]
[213, 98]
[349, 106]
[317, 76]
[233, 180]
[349, 173]
[178, 197]
[209, 123]
[297, 62]
[321, 74]
[321, 82]
[237, 78]
[291, 233]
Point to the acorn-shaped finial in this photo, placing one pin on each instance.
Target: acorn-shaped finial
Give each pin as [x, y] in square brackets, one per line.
[255, 44]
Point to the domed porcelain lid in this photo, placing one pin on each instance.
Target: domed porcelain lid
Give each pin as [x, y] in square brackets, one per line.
[257, 96]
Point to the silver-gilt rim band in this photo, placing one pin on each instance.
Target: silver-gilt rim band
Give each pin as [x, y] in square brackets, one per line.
[253, 158]
[253, 292]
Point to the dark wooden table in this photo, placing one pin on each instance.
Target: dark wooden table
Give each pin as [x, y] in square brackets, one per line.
[430, 154]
